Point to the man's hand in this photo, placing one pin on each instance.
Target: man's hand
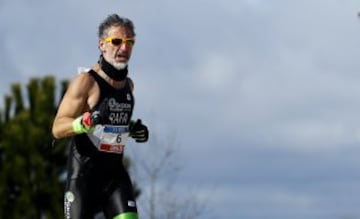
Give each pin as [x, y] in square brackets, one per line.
[138, 131]
[98, 116]
[88, 120]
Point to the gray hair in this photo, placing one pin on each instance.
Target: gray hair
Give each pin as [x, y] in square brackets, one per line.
[115, 20]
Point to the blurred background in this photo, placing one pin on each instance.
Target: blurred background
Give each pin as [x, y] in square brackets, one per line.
[253, 105]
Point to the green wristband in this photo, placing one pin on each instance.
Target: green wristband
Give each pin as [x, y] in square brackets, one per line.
[78, 126]
[127, 215]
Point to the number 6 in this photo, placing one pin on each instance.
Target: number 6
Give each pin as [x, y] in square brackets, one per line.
[118, 139]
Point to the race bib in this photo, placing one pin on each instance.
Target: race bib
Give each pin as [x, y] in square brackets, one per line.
[111, 138]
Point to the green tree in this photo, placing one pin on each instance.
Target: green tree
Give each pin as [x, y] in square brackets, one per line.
[31, 185]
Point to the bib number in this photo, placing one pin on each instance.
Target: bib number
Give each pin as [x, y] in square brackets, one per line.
[111, 138]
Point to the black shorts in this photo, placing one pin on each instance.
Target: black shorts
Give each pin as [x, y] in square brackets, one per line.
[97, 182]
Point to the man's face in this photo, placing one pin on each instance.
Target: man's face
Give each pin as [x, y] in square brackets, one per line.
[116, 47]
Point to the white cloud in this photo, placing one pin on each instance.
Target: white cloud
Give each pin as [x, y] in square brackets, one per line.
[215, 71]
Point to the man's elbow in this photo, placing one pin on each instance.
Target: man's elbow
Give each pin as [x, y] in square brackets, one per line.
[55, 134]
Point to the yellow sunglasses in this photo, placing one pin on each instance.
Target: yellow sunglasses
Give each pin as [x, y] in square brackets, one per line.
[118, 41]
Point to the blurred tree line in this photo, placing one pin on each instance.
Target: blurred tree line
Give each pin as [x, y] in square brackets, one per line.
[31, 170]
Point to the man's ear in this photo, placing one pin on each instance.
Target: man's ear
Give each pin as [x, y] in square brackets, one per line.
[101, 45]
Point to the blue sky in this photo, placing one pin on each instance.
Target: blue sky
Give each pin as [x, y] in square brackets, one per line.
[263, 96]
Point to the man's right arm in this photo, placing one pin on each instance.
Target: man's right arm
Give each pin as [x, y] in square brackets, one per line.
[74, 104]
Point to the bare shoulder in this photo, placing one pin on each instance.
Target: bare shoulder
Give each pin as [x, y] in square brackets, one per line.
[81, 84]
[77, 95]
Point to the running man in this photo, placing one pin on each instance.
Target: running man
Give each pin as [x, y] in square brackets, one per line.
[96, 113]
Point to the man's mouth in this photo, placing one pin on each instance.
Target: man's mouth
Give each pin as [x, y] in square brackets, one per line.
[122, 57]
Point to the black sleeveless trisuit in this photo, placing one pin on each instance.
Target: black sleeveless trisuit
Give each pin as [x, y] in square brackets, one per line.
[97, 180]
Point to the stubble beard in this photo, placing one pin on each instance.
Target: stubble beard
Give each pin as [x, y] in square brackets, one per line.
[119, 65]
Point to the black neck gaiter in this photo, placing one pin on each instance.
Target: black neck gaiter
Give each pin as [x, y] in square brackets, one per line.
[113, 73]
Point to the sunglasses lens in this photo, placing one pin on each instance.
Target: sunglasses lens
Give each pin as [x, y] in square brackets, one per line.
[116, 41]
[130, 42]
